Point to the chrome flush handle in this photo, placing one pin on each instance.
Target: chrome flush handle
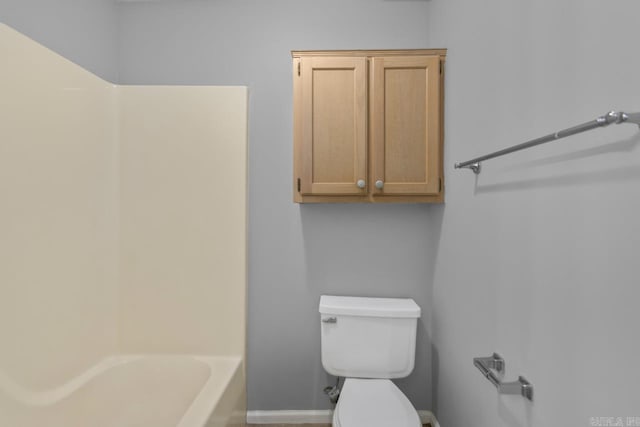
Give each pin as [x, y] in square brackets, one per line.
[329, 320]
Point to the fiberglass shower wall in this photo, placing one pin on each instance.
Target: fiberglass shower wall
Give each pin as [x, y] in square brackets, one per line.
[122, 220]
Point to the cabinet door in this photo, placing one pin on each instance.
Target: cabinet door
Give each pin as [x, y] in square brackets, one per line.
[405, 125]
[334, 126]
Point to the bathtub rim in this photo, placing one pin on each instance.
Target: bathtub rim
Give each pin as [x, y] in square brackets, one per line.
[206, 401]
[51, 396]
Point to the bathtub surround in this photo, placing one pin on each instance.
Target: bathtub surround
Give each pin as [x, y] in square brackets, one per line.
[115, 240]
[182, 219]
[59, 227]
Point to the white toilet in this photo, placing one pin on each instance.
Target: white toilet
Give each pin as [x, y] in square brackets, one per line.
[369, 341]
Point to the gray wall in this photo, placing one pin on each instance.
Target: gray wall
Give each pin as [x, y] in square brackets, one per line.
[296, 252]
[538, 256]
[83, 31]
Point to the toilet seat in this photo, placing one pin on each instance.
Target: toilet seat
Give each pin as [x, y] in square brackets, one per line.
[373, 403]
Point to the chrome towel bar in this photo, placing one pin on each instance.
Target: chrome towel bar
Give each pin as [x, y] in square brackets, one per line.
[602, 121]
[487, 365]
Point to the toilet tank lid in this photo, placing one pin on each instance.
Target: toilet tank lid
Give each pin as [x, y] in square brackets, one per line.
[367, 306]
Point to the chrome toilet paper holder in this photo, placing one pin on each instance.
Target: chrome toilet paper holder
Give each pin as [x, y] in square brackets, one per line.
[487, 365]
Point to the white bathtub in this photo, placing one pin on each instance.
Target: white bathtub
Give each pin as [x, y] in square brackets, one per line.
[135, 391]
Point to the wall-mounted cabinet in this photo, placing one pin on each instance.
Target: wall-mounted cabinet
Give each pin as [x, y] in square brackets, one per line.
[368, 126]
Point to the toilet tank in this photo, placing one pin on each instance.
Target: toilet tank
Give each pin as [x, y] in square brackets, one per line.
[368, 337]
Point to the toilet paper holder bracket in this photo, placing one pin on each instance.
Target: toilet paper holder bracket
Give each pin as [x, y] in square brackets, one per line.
[493, 368]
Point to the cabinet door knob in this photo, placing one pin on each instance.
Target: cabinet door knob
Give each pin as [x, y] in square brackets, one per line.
[361, 183]
[379, 184]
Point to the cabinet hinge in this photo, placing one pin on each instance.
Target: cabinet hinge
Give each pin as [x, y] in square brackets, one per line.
[298, 185]
[298, 67]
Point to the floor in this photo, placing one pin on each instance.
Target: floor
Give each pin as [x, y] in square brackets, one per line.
[299, 425]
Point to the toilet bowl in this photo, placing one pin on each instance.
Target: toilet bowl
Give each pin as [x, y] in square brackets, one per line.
[369, 341]
[373, 403]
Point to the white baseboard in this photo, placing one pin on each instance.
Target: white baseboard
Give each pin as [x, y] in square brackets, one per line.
[289, 417]
[312, 417]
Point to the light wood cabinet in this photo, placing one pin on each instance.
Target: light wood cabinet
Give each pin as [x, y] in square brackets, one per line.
[368, 126]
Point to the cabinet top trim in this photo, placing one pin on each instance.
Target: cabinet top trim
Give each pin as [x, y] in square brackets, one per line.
[381, 52]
